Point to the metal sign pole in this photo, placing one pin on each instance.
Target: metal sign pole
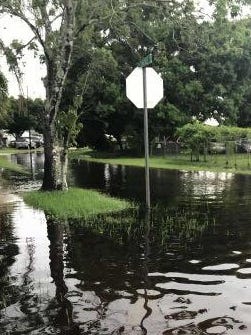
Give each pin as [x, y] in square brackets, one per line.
[146, 141]
[152, 94]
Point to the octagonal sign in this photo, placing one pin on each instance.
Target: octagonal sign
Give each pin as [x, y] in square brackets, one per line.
[154, 87]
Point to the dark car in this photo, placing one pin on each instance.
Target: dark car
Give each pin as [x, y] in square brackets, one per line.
[243, 145]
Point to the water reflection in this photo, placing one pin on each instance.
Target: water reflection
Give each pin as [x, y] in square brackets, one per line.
[145, 271]
[125, 274]
[33, 162]
[124, 181]
[206, 184]
[64, 317]
[183, 269]
[171, 298]
[171, 188]
[168, 187]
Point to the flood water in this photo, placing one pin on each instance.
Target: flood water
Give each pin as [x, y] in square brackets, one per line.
[183, 269]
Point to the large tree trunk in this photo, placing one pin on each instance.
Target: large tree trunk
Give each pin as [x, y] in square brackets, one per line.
[57, 46]
[50, 179]
[57, 69]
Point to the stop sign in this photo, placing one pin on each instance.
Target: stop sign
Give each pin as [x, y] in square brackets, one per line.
[154, 87]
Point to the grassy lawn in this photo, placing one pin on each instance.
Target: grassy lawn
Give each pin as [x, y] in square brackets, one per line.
[236, 163]
[74, 203]
[7, 151]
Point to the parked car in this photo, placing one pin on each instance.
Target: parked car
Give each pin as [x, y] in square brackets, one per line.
[217, 148]
[243, 145]
[37, 140]
[24, 143]
[12, 144]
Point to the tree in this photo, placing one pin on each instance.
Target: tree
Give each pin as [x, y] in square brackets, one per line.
[108, 58]
[56, 50]
[196, 136]
[89, 48]
[23, 114]
[56, 24]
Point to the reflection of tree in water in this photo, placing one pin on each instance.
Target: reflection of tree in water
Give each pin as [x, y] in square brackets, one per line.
[18, 299]
[8, 249]
[64, 318]
[24, 309]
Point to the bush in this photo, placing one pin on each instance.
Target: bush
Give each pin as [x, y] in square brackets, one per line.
[197, 136]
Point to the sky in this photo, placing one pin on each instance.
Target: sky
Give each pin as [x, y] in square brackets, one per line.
[14, 28]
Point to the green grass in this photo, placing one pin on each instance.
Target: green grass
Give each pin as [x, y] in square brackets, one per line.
[7, 151]
[235, 163]
[74, 203]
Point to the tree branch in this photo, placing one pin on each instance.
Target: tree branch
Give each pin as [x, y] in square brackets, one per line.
[33, 28]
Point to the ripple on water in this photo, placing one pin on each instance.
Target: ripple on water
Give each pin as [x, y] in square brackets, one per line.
[244, 271]
[194, 261]
[149, 293]
[221, 267]
[236, 252]
[216, 330]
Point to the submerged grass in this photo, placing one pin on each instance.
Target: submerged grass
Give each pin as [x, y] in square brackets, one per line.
[75, 203]
[166, 229]
[235, 163]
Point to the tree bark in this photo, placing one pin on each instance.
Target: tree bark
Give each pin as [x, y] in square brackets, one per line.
[55, 176]
[50, 160]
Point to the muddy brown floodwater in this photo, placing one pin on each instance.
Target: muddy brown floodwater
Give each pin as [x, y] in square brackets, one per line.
[183, 269]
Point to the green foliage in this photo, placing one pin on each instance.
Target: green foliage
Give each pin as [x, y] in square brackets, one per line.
[3, 96]
[197, 136]
[232, 133]
[23, 114]
[68, 127]
[205, 64]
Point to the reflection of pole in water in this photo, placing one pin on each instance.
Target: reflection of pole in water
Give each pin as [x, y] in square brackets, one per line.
[31, 166]
[31, 251]
[64, 318]
[145, 269]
